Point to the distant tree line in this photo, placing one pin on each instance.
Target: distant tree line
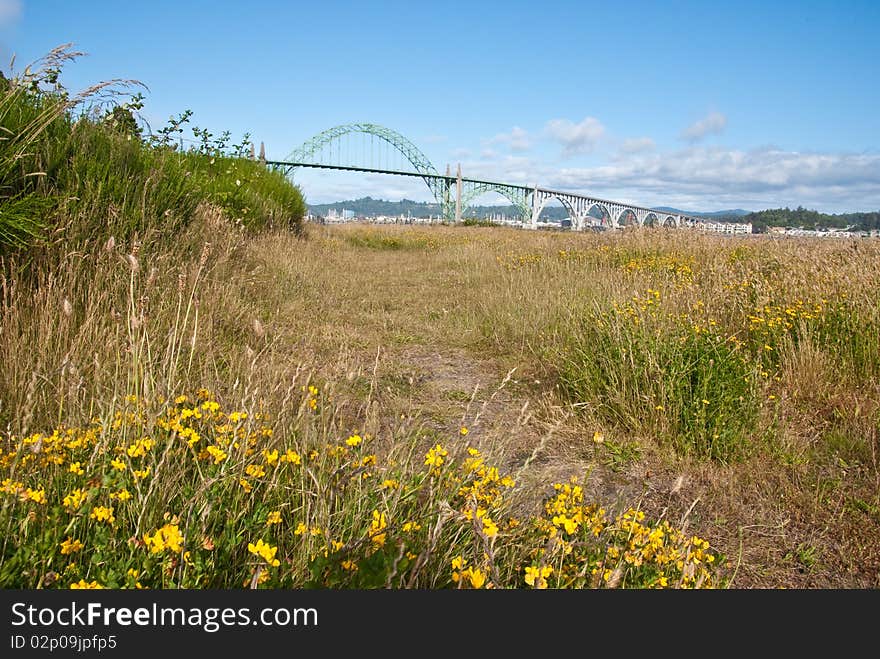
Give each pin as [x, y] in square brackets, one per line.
[802, 218]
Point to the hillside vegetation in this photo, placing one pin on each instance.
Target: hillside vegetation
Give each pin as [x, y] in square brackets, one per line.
[76, 169]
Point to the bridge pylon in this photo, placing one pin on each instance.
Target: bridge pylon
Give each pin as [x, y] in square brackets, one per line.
[458, 195]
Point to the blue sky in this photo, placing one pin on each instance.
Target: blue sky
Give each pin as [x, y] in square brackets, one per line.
[698, 105]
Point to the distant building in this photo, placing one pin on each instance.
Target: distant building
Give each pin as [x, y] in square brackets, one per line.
[723, 227]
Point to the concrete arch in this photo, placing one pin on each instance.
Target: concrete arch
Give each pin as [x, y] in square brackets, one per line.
[669, 222]
[628, 218]
[566, 203]
[607, 218]
[652, 220]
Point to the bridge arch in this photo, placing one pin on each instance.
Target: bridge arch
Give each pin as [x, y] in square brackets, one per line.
[627, 218]
[440, 187]
[669, 221]
[513, 195]
[406, 148]
[566, 203]
[607, 218]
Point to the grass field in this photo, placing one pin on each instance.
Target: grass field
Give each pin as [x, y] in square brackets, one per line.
[431, 407]
[198, 391]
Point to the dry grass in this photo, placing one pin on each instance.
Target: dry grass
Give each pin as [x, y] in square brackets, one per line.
[490, 300]
[415, 332]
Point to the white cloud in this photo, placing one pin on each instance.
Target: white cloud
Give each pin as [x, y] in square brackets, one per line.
[516, 140]
[713, 179]
[10, 12]
[637, 145]
[576, 138]
[713, 123]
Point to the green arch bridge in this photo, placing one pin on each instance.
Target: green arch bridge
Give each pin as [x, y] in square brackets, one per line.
[372, 148]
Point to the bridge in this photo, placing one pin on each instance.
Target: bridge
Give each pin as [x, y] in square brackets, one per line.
[375, 149]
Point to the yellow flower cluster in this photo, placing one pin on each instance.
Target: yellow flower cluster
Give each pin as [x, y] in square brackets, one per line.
[103, 514]
[582, 539]
[536, 576]
[82, 584]
[435, 457]
[467, 576]
[264, 551]
[168, 538]
[485, 490]
[234, 460]
[681, 268]
[377, 528]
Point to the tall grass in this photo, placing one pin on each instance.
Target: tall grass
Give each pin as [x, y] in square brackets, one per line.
[690, 390]
[28, 121]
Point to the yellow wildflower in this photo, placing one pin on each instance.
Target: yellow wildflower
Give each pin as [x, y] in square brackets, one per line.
[490, 528]
[435, 455]
[376, 527]
[167, 537]
[121, 495]
[477, 577]
[71, 546]
[217, 453]
[103, 514]
[537, 576]
[264, 551]
[82, 584]
[255, 471]
[35, 495]
[74, 500]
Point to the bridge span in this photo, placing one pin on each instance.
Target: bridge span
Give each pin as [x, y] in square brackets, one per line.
[375, 153]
